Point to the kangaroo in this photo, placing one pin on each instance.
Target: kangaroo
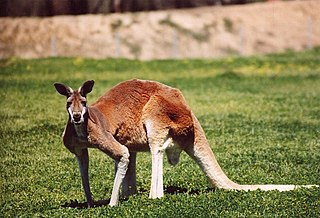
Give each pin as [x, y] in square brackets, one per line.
[138, 116]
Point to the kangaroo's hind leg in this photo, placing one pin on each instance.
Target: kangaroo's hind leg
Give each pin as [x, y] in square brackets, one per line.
[158, 140]
[166, 119]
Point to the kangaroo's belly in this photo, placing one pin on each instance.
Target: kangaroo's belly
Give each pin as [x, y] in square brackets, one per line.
[134, 137]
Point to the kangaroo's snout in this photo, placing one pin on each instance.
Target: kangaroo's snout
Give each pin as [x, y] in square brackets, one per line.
[76, 116]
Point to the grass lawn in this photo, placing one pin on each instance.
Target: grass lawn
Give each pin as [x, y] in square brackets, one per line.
[261, 116]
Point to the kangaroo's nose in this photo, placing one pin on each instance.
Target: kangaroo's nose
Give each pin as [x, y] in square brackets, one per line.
[76, 116]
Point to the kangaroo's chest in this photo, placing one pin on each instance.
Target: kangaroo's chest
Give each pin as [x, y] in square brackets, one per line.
[75, 137]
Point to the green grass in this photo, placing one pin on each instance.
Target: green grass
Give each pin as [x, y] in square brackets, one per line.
[261, 116]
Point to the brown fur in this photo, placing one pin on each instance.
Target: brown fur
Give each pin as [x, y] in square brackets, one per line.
[129, 104]
[139, 116]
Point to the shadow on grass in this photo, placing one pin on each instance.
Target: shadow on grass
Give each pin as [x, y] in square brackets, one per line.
[83, 205]
[171, 190]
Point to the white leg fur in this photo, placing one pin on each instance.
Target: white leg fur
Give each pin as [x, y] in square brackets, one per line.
[158, 142]
[122, 167]
[159, 181]
[154, 173]
[156, 190]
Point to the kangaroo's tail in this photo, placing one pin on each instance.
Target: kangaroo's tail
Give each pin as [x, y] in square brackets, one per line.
[201, 152]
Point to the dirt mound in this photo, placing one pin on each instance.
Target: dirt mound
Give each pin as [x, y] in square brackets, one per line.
[193, 33]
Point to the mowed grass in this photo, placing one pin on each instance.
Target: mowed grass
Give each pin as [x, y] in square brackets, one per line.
[261, 116]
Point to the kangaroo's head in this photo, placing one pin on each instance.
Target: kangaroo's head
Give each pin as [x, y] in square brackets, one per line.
[76, 100]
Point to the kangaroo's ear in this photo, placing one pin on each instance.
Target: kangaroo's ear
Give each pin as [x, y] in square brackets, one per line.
[63, 89]
[86, 88]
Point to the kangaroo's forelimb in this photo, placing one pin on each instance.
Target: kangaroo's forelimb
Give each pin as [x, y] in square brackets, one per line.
[83, 162]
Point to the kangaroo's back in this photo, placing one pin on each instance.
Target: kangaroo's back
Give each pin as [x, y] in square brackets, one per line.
[128, 105]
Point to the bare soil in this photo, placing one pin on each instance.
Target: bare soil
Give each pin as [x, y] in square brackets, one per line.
[207, 32]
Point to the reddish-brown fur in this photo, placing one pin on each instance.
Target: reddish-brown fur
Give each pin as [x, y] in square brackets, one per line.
[126, 107]
[139, 116]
